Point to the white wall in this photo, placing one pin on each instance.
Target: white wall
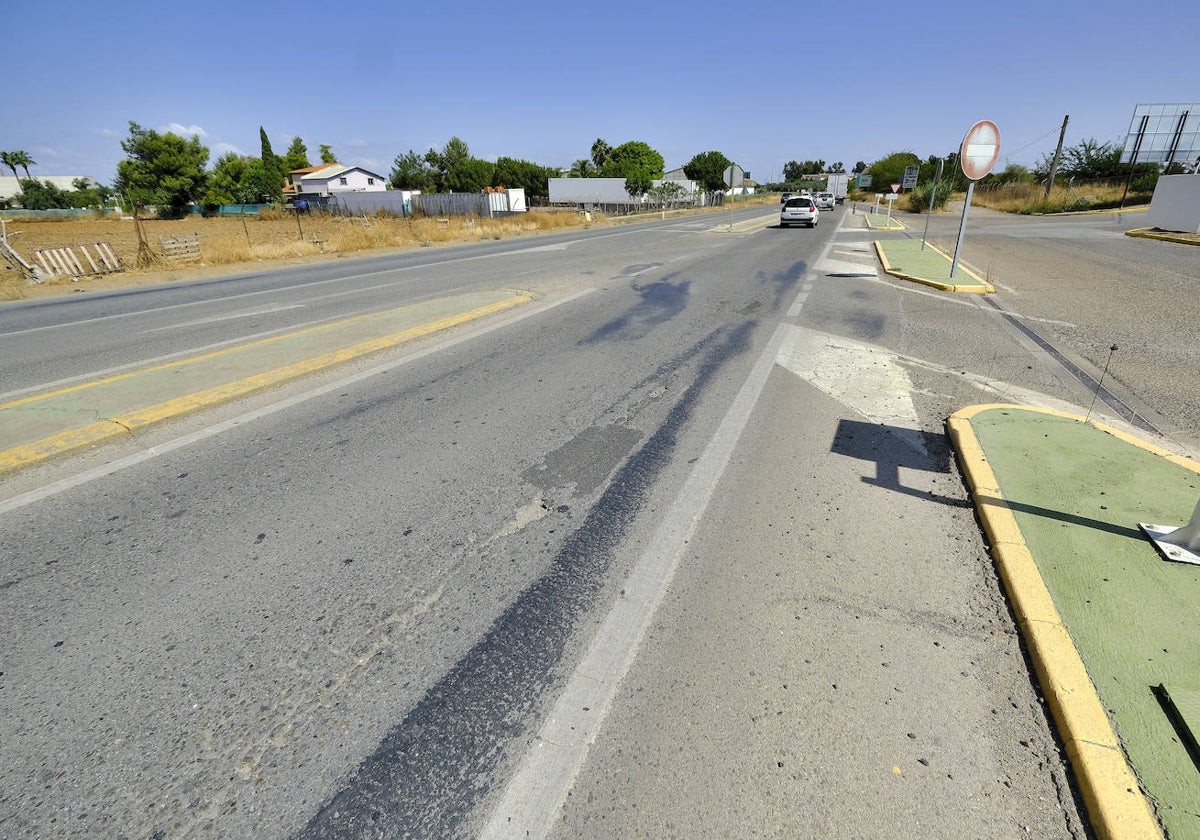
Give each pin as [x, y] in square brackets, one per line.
[1176, 204]
[599, 190]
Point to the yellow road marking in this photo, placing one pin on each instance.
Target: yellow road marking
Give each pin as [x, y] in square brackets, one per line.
[21, 456]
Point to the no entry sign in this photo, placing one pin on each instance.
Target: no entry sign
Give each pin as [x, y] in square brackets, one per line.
[980, 150]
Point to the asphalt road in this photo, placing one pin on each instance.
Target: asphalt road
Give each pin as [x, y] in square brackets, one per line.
[680, 551]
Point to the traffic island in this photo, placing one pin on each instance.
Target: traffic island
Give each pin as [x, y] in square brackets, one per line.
[930, 266]
[881, 221]
[1109, 623]
[1165, 235]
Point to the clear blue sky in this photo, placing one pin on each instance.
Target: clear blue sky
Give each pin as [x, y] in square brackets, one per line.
[761, 82]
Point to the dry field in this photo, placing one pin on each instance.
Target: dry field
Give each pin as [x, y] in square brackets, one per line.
[233, 244]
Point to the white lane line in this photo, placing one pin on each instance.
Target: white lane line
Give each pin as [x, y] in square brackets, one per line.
[152, 452]
[802, 298]
[216, 319]
[533, 796]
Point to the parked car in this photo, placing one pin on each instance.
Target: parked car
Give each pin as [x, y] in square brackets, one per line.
[825, 201]
[800, 209]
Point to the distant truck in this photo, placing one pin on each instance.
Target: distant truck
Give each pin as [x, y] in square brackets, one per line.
[837, 185]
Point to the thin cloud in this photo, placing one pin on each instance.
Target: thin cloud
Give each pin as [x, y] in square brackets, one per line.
[185, 130]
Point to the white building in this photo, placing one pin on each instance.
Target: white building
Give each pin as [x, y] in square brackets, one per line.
[331, 178]
[9, 185]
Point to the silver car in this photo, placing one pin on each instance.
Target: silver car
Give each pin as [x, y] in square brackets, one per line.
[800, 209]
[825, 200]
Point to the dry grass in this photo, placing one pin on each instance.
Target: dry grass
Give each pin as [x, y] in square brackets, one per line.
[230, 243]
[1032, 199]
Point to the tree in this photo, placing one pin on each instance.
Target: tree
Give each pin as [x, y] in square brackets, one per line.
[668, 192]
[226, 183]
[529, 176]
[18, 158]
[296, 157]
[1093, 159]
[581, 168]
[600, 152]
[635, 159]
[792, 172]
[837, 167]
[410, 171]
[162, 170]
[638, 181]
[454, 170]
[260, 183]
[859, 168]
[470, 176]
[88, 194]
[272, 163]
[890, 170]
[708, 170]
[42, 195]
[1014, 173]
[327, 155]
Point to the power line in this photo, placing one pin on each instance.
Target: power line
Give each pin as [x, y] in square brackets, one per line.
[1013, 154]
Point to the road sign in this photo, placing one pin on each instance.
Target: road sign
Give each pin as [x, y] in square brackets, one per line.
[895, 188]
[734, 175]
[978, 154]
[980, 150]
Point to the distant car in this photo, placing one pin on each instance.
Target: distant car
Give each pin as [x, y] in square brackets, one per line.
[783, 198]
[800, 209]
[825, 200]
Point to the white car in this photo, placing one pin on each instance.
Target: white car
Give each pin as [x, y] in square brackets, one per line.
[825, 200]
[800, 209]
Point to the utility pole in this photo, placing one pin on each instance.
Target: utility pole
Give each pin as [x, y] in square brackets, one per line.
[1057, 156]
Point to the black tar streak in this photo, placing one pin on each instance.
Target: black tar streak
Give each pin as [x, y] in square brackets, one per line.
[434, 766]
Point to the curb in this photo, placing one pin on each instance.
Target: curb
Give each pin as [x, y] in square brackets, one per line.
[1115, 803]
[1151, 233]
[981, 287]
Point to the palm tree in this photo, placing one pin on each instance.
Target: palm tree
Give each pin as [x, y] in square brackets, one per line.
[600, 152]
[23, 160]
[9, 160]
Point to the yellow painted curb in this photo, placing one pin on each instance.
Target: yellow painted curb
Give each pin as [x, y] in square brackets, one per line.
[1115, 804]
[983, 287]
[1150, 233]
[93, 433]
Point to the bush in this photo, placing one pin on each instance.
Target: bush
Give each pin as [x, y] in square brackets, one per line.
[919, 197]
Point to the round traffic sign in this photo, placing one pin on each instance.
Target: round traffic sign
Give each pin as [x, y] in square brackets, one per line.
[980, 150]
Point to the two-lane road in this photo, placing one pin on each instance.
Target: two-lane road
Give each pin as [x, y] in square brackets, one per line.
[702, 485]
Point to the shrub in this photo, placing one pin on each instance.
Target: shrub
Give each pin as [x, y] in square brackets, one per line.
[921, 195]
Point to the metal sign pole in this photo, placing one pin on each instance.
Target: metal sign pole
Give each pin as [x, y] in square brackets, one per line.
[962, 227]
[937, 176]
